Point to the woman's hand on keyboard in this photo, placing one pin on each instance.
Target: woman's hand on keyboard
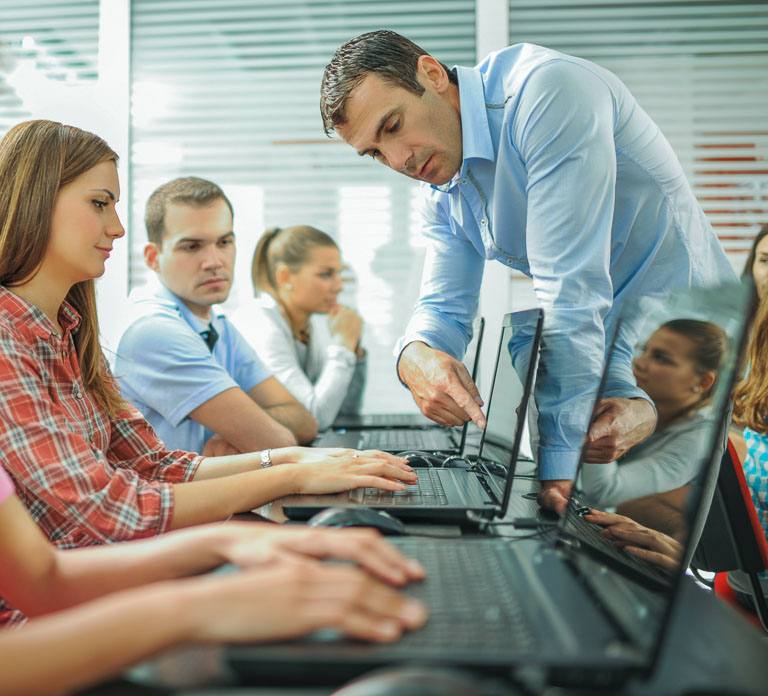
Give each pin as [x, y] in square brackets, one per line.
[332, 470]
[294, 596]
[643, 542]
[246, 544]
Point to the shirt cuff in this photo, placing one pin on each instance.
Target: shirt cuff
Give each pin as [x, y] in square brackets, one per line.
[167, 503]
[557, 464]
[435, 336]
[623, 390]
[341, 354]
[192, 468]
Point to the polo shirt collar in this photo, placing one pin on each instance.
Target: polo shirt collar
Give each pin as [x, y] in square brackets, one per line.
[476, 142]
[186, 313]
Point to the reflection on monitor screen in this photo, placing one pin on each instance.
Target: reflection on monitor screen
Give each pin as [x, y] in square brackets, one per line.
[682, 351]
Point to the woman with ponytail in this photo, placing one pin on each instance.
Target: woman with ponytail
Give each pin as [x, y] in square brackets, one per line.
[297, 275]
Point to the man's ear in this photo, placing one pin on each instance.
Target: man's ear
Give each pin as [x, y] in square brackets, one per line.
[151, 253]
[431, 72]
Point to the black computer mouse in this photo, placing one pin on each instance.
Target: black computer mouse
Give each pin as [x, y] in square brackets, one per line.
[358, 517]
[416, 680]
[420, 459]
[417, 460]
[456, 461]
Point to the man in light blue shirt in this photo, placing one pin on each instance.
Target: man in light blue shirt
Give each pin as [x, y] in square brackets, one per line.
[546, 163]
[179, 361]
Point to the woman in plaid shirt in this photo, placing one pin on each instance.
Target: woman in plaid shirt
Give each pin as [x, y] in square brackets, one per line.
[85, 463]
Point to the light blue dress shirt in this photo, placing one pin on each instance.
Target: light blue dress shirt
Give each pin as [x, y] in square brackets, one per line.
[565, 178]
[166, 370]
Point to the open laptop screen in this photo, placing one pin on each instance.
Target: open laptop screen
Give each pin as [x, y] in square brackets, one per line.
[685, 349]
[518, 335]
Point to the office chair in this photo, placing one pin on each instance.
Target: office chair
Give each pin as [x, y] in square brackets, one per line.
[748, 545]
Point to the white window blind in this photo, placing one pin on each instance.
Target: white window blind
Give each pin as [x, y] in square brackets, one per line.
[48, 59]
[230, 91]
[700, 69]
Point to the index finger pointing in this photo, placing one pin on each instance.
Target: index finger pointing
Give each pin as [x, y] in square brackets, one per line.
[464, 392]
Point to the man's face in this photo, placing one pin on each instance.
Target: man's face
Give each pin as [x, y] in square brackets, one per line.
[197, 257]
[419, 136]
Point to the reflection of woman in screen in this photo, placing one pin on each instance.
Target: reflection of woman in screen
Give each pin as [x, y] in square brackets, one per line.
[296, 274]
[677, 368]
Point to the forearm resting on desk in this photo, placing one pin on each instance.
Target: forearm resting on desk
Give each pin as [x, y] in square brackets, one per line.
[246, 426]
[297, 419]
[318, 471]
[62, 652]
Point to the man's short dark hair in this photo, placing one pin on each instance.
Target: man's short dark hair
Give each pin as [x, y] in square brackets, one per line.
[388, 54]
[187, 190]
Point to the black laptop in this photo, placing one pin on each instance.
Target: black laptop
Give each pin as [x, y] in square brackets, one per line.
[540, 609]
[399, 432]
[447, 493]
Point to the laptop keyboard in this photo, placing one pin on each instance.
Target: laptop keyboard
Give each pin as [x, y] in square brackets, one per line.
[401, 440]
[471, 599]
[397, 420]
[428, 491]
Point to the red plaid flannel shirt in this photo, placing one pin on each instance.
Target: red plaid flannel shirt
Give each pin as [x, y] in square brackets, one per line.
[86, 478]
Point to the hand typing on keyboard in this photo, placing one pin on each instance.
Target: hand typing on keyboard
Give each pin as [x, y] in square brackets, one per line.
[293, 595]
[332, 470]
[643, 542]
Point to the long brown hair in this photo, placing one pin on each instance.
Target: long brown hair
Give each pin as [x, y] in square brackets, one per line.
[750, 398]
[38, 158]
[748, 271]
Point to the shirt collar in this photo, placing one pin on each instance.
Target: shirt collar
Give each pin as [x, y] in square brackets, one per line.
[32, 318]
[476, 141]
[186, 313]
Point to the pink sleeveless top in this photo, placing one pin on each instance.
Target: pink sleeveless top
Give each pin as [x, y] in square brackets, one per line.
[6, 485]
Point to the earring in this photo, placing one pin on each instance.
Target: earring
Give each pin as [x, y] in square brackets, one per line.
[696, 389]
[288, 286]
